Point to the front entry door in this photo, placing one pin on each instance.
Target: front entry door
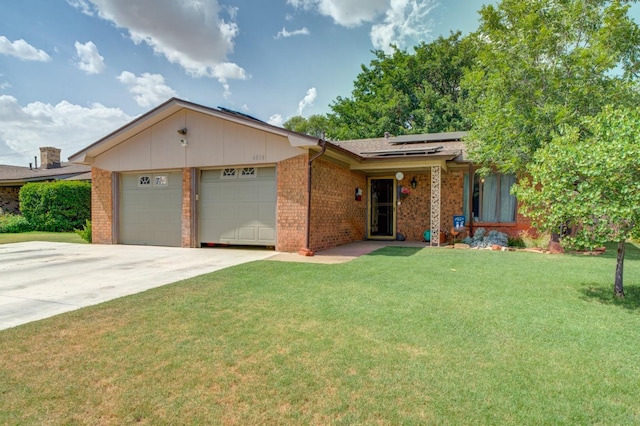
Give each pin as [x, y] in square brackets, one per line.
[382, 208]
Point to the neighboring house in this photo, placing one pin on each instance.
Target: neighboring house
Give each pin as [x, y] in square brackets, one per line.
[188, 175]
[12, 178]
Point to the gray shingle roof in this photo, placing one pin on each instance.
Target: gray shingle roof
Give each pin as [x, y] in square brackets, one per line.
[432, 144]
[18, 174]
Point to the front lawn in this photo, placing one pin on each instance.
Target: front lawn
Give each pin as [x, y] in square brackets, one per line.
[55, 237]
[401, 336]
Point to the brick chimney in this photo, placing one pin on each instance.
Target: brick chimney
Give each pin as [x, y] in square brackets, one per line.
[49, 157]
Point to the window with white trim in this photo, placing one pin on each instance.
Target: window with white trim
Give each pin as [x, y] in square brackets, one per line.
[160, 180]
[144, 180]
[248, 172]
[492, 200]
[229, 174]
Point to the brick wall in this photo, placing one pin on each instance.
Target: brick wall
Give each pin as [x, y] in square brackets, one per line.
[336, 217]
[101, 206]
[188, 234]
[414, 212]
[452, 198]
[9, 199]
[292, 204]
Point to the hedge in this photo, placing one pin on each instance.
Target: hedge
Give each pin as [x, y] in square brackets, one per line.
[60, 206]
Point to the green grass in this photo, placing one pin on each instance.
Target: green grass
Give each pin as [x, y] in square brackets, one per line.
[56, 237]
[401, 336]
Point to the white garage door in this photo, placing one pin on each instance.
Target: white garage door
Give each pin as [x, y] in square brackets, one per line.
[151, 209]
[238, 206]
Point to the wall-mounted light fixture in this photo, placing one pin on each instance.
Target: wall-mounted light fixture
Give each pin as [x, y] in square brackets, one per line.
[414, 183]
[183, 141]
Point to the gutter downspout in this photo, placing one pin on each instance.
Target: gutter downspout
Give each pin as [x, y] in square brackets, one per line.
[306, 251]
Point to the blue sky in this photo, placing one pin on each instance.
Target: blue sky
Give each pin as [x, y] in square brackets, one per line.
[72, 71]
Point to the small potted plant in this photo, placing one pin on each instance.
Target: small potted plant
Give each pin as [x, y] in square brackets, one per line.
[404, 192]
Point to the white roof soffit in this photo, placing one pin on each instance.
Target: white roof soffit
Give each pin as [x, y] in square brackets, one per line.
[302, 141]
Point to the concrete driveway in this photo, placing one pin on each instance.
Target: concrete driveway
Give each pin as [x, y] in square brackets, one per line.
[41, 279]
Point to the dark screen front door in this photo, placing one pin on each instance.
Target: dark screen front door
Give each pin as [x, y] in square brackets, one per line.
[382, 208]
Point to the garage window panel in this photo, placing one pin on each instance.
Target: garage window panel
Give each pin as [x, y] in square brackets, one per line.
[229, 174]
[161, 181]
[248, 172]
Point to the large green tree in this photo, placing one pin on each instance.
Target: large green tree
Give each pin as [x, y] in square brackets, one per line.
[588, 179]
[543, 65]
[406, 93]
[316, 125]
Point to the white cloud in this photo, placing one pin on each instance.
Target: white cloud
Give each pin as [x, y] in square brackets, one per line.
[276, 120]
[89, 60]
[64, 125]
[148, 89]
[348, 13]
[82, 5]
[284, 33]
[23, 50]
[5, 85]
[308, 100]
[190, 33]
[405, 23]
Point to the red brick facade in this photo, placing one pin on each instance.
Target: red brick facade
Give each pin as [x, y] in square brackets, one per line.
[101, 206]
[188, 207]
[291, 210]
[336, 216]
[414, 211]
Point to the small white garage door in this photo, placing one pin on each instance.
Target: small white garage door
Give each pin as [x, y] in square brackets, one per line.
[238, 206]
[151, 209]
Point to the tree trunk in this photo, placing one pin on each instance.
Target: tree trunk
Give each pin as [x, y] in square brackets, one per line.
[618, 290]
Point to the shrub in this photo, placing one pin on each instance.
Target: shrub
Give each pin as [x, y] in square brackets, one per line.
[56, 206]
[540, 241]
[482, 239]
[85, 232]
[13, 224]
[516, 242]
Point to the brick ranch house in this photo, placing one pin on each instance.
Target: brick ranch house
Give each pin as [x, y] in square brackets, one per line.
[12, 178]
[188, 175]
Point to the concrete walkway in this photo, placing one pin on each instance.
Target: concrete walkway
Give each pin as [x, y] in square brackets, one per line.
[345, 252]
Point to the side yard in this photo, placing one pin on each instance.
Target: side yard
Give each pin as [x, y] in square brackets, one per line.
[400, 336]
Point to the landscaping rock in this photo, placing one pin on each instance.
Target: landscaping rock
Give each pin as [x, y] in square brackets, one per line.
[555, 248]
[461, 246]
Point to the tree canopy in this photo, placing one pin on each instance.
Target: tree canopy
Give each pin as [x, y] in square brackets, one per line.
[543, 65]
[402, 93]
[589, 183]
[316, 125]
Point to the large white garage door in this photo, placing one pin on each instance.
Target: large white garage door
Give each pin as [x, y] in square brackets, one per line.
[151, 209]
[238, 206]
